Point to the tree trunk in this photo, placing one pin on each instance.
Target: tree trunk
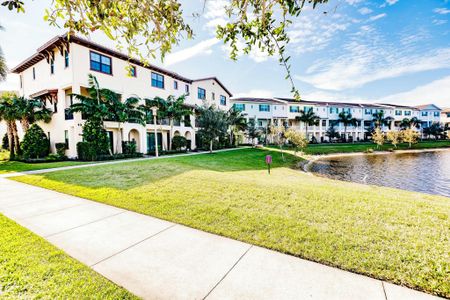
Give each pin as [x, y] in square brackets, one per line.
[11, 139]
[210, 146]
[345, 133]
[171, 133]
[282, 154]
[120, 134]
[16, 137]
[25, 124]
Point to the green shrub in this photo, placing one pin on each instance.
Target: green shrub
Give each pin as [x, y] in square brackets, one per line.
[35, 143]
[5, 142]
[179, 142]
[61, 149]
[96, 135]
[129, 147]
[86, 151]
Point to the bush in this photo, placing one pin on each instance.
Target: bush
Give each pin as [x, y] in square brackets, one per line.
[129, 147]
[35, 143]
[61, 149]
[5, 142]
[86, 151]
[95, 134]
[179, 142]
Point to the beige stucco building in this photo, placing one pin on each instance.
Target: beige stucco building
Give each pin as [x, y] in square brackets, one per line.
[61, 67]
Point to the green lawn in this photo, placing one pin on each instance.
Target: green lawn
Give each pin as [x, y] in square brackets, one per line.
[32, 268]
[385, 233]
[7, 166]
[314, 149]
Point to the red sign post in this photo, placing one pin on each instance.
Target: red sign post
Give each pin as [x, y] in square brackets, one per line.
[268, 162]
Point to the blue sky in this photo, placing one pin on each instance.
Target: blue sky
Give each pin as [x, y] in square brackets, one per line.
[369, 51]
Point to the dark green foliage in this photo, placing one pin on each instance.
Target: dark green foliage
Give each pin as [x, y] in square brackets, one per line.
[86, 151]
[94, 133]
[61, 149]
[129, 147]
[35, 143]
[5, 142]
[212, 123]
[179, 142]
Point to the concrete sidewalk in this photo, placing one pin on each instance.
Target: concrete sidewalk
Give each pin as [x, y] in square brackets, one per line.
[155, 259]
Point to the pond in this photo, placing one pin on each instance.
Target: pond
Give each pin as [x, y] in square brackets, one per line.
[427, 172]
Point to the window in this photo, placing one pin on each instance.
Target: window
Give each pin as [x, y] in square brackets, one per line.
[52, 66]
[157, 80]
[223, 100]
[264, 107]
[334, 110]
[239, 106]
[398, 112]
[346, 110]
[436, 114]
[307, 108]
[55, 107]
[407, 112]
[66, 138]
[175, 85]
[34, 73]
[367, 111]
[294, 109]
[448, 115]
[20, 79]
[100, 63]
[324, 123]
[213, 96]
[186, 88]
[133, 72]
[66, 58]
[424, 114]
[201, 93]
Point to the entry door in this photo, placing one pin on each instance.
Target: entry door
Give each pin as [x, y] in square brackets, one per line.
[151, 141]
[111, 141]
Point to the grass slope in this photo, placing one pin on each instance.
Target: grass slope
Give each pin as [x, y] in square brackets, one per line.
[32, 268]
[385, 233]
[314, 149]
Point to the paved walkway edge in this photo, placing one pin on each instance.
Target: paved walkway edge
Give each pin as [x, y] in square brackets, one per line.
[153, 258]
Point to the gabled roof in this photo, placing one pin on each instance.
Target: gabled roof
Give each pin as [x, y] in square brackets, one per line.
[398, 106]
[257, 99]
[42, 53]
[217, 80]
[428, 106]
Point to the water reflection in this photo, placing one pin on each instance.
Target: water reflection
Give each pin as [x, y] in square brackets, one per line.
[427, 172]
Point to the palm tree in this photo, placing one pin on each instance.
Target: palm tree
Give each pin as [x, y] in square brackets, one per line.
[347, 119]
[379, 119]
[9, 113]
[212, 123]
[331, 133]
[252, 131]
[309, 118]
[236, 122]
[121, 112]
[92, 106]
[31, 111]
[3, 67]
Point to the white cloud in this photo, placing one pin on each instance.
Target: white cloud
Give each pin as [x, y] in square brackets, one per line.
[256, 93]
[364, 11]
[364, 64]
[436, 92]
[389, 2]
[255, 54]
[353, 2]
[377, 17]
[201, 48]
[439, 22]
[442, 11]
[215, 14]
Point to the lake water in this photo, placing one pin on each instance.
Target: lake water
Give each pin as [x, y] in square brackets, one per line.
[427, 172]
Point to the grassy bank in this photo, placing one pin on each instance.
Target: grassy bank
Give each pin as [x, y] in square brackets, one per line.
[7, 166]
[385, 233]
[315, 149]
[32, 268]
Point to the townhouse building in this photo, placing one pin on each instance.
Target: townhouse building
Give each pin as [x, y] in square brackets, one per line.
[61, 66]
[445, 119]
[266, 111]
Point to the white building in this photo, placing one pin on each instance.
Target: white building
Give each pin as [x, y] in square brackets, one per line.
[267, 111]
[61, 67]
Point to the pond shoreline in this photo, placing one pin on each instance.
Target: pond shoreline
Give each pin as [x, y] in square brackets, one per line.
[310, 159]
